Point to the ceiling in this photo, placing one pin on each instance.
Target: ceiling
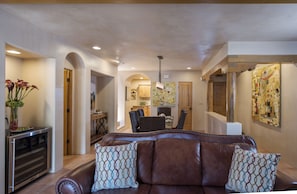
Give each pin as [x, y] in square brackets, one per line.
[186, 35]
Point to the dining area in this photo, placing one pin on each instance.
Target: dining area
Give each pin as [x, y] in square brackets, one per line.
[163, 120]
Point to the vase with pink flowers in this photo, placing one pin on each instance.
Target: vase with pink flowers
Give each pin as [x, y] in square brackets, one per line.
[17, 91]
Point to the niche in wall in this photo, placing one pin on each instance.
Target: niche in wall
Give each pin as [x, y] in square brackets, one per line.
[36, 70]
[101, 90]
[217, 94]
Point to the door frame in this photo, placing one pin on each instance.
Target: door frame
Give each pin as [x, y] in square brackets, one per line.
[68, 83]
[188, 122]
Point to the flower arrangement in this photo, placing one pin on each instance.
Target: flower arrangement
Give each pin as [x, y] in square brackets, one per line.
[17, 91]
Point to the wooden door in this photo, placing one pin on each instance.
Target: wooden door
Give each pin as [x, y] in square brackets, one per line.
[67, 111]
[185, 102]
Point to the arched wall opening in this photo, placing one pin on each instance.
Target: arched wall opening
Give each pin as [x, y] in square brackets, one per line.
[103, 91]
[134, 84]
[79, 132]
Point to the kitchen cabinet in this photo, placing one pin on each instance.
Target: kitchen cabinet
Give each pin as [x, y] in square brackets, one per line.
[144, 91]
[146, 109]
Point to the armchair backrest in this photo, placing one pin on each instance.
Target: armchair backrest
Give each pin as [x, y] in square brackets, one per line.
[151, 123]
[134, 120]
[140, 112]
[181, 120]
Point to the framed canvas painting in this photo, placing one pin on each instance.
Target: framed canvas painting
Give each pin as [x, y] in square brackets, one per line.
[165, 97]
[266, 94]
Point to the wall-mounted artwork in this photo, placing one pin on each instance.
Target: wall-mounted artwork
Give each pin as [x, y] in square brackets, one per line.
[266, 94]
[165, 97]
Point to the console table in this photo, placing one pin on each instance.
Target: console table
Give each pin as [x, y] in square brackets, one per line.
[98, 126]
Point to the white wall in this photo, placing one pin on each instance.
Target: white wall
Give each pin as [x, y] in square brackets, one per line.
[39, 101]
[13, 73]
[26, 36]
[104, 99]
[36, 110]
[198, 99]
[272, 139]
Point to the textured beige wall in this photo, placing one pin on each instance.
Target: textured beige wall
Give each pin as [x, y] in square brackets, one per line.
[272, 139]
[27, 36]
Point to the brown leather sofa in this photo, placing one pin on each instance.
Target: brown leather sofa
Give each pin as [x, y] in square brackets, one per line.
[172, 162]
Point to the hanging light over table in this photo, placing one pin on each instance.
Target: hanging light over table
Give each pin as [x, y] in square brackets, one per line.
[159, 84]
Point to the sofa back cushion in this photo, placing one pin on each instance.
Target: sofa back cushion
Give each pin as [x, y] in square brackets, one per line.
[217, 157]
[176, 162]
[145, 150]
[144, 161]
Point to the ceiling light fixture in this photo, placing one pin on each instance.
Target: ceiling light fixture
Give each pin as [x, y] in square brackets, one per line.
[96, 48]
[116, 61]
[189, 67]
[13, 52]
[159, 84]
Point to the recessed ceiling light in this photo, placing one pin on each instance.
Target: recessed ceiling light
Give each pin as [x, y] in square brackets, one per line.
[96, 48]
[13, 52]
[132, 67]
[189, 67]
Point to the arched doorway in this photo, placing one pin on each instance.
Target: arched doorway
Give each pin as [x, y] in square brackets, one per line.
[74, 119]
[137, 95]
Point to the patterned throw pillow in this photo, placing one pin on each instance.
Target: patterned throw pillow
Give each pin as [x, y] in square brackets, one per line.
[252, 172]
[115, 167]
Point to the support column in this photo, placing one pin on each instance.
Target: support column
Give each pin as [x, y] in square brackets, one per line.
[231, 96]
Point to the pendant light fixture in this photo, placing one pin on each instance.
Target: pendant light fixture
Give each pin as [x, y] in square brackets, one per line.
[159, 84]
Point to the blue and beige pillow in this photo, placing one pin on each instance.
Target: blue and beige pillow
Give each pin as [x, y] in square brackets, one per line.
[115, 167]
[252, 172]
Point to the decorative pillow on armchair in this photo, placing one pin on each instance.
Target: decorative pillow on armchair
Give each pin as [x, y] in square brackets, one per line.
[252, 172]
[115, 167]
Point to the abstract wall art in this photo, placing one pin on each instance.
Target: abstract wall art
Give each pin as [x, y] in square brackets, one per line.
[266, 94]
[165, 97]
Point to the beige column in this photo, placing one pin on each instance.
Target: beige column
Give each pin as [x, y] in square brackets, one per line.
[230, 96]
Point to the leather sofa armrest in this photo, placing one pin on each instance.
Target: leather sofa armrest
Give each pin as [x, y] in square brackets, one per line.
[284, 182]
[78, 181]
